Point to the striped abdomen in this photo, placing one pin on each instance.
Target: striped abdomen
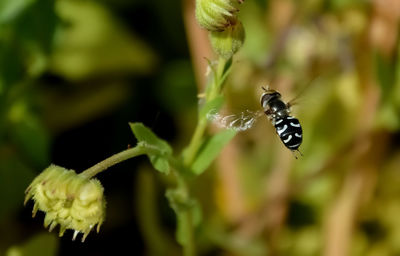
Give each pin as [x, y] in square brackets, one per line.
[290, 132]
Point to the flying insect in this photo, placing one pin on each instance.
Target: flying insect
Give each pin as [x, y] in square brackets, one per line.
[287, 127]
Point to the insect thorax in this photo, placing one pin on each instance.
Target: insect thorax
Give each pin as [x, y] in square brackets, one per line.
[276, 109]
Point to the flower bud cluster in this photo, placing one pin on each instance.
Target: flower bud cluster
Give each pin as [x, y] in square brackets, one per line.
[69, 200]
[219, 17]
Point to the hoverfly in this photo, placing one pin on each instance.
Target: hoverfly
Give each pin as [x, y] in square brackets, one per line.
[278, 112]
[287, 127]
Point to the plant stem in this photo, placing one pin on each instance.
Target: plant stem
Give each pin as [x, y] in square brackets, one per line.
[195, 142]
[212, 92]
[140, 149]
[185, 216]
[189, 246]
[216, 85]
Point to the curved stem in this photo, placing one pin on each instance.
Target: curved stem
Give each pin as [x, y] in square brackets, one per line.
[140, 149]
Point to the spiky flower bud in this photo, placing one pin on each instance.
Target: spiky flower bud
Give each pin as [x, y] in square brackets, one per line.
[68, 199]
[216, 15]
[228, 42]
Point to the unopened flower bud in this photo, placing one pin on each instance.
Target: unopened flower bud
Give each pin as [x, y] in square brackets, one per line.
[69, 200]
[228, 42]
[216, 15]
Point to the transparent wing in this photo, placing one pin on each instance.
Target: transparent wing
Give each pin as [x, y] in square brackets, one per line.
[304, 89]
[238, 122]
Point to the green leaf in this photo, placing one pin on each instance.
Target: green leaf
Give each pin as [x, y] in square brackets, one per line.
[227, 66]
[142, 133]
[226, 70]
[145, 135]
[211, 149]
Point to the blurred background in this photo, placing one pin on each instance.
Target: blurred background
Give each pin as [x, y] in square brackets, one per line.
[74, 73]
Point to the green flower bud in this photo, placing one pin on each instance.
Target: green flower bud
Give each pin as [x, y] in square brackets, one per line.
[228, 42]
[216, 15]
[69, 200]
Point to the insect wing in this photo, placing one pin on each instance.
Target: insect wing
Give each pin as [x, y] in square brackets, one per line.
[238, 122]
[304, 90]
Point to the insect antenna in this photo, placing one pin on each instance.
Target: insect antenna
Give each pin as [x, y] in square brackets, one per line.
[266, 89]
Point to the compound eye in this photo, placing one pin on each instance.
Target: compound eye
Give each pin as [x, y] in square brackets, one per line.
[265, 98]
[268, 96]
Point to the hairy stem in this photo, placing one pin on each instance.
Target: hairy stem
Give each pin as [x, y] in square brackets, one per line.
[140, 149]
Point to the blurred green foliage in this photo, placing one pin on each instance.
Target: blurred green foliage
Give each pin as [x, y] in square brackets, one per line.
[41, 244]
[78, 42]
[25, 40]
[66, 63]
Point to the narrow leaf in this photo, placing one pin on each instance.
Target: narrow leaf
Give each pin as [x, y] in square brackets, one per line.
[211, 149]
[227, 69]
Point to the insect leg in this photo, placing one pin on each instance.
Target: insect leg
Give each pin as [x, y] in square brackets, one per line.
[270, 114]
[294, 153]
[299, 152]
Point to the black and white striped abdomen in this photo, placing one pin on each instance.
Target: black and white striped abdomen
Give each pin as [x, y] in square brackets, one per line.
[290, 132]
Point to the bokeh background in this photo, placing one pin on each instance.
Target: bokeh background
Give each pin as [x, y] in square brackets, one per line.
[73, 73]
